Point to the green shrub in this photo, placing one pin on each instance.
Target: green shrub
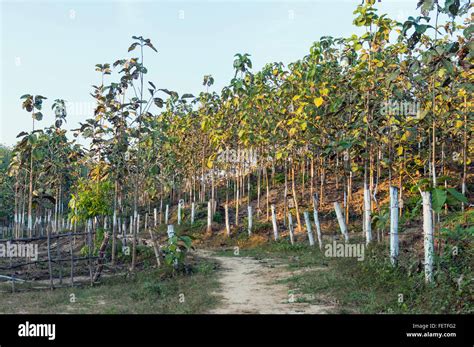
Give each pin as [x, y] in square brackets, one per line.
[176, 250]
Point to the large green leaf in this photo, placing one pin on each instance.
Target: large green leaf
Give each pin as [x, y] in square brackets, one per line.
[38, 116]
[438, 198]
[38, 154]
[457, 195]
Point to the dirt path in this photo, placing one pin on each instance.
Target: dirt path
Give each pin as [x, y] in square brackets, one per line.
[249, 286]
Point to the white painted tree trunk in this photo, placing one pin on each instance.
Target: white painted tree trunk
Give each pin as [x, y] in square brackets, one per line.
[227, 223]
[394, 225]
[23, 220]
[428, 235]
[367, 215]
[124, 232]
[308, 228]
[161, 211]
[170, 231]
[237, 202]
[30, 224]
[192, 213]
[463, 192]
[50, 220]
[155, 217]
[249, 208]
[56, 224]
[167, 211]
[180, 204]
[340, 219]
[209, 216]
[274, 222]
[316, 220]
[290, 228]
[138, 225]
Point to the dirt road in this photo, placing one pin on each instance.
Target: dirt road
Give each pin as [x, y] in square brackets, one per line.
[250, 286]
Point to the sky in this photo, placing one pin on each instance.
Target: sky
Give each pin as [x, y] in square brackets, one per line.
[51, 47]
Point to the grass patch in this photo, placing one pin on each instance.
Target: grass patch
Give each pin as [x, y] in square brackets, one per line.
[148, 291]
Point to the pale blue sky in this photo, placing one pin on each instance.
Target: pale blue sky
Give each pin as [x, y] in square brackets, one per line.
[51, 47]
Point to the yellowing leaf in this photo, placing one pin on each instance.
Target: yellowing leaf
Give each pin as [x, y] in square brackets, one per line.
[324, 92]
[210, 163]
[296, 97]
[421, 113]
[318, 101]
[300, 110]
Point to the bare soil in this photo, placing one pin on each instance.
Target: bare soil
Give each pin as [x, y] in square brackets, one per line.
[250, 286]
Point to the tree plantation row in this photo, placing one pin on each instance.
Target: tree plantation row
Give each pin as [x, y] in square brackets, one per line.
[387, 113]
